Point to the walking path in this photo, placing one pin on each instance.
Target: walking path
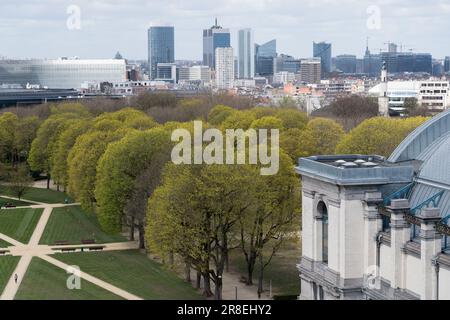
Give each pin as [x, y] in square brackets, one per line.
[33, 249]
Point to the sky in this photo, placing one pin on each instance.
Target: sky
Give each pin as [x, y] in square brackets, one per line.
[51, 28]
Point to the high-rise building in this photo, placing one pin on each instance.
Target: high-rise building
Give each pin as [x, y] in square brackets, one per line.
[213, 38]
[397, 62]
[371, 63]
[195, 73]
[224, 68]
[286, 63]
[310, 70]
[264, 58]
[161, 47]
[246, 54]
[166, 72]
[447, 64]
[346, 63]
[322, 50]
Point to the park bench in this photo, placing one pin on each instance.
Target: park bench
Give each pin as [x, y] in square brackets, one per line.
[68, 249]
[88, 241]
[3, 252]
[61, 243]
[98, 248]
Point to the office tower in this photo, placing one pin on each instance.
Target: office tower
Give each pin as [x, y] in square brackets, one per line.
[161, 47]
[447, 64]
[346, 63]
[407, 62]
[438, 68]
[166, 72]
[285, 63]
[246, 54]
[322, 50]
[195, 73]
[371, 63]
[224, 68]
[264, 58]
[213, 38]
[423, 62]
[62, 73]
[310, 70]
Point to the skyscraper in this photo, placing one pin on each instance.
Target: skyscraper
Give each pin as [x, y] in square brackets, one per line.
[213, 38]
[322, 50]
[447, 64]
[224, 68]
[346, 63]
[264, 58]
[310, 70]
[161, 47]
[246, 54]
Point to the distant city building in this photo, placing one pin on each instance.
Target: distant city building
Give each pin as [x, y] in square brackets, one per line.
[371, 63]
[195, 73]
[285, 63]
[161, 47]
[166, 72]
[310, 70]
[438, 68]
[213, 38]
[246, 54]
[346, 63]
[447, 64]
[323, 50]
[264, 58]
[62, 73]
[398, 62]
[284, 77]
[224, 68]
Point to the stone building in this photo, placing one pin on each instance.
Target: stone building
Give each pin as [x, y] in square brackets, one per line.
[376, 228]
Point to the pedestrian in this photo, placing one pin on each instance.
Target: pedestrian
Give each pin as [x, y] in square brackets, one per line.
[16, 277]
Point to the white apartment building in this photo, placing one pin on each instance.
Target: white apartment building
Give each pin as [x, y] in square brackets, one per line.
[284, 77]
[224, 68]
[195, 73]
[434, 94]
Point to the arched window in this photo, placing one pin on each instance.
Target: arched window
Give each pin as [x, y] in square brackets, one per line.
[323, 212]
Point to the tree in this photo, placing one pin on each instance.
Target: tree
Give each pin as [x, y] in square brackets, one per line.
[122, 175]
[8, 128]
[378, 136]
[267, 123]
[292, 118]
[219, 114]
[239, 120]
[291, 143]
[320, 137]
[273, 216]
[261, 112]
[19, 181]
[287, 102]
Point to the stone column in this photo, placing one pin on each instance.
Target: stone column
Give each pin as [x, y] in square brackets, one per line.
[430, 247]
[373, 224]
[400, 235]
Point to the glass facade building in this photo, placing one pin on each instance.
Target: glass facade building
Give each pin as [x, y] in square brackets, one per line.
[213, 38]
[264, 58]
[346, 63]
[61, 73]
[246, 54]
[408, 62]
[322, 50]
[161, 47]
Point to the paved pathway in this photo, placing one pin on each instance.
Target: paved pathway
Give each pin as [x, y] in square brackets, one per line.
[33, 249]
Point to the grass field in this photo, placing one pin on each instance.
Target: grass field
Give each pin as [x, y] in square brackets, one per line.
[4, 244]
[44, 281]
[133, 272]
[72, 224]
[16, 203]
[7, 266]
[19, 224]
[282, 270]
[40, 195]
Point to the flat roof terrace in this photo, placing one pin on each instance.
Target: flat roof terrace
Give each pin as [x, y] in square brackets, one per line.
[355, 170]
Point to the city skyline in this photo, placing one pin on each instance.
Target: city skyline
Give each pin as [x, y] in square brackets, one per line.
[111, 26]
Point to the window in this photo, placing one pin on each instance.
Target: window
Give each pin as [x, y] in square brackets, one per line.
[323, 211]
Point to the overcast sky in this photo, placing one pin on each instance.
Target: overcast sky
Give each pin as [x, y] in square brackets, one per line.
[38, 28]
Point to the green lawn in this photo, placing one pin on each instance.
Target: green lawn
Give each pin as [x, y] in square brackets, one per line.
[40, 195]
[16, 203]
[134, 272]
[282, 270]
[19, 224]
[7, 266]
[4, 244]
[72, 224]
[43, 281]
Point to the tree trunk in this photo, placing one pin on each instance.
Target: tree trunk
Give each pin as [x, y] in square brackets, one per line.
[187, 270]
[218, 290]
[261, 275]
[48, 182]
[207, 285]
[141, 236]
[251, 268]
[171, 259]
[198, 280]
[57, 187]
[132, 229]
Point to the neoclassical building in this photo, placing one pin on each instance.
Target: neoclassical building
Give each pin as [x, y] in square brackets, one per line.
[376, 228]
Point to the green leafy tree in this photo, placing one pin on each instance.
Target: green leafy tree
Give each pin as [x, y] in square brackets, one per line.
[292, 118]
[267, 123]
[219, 114]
